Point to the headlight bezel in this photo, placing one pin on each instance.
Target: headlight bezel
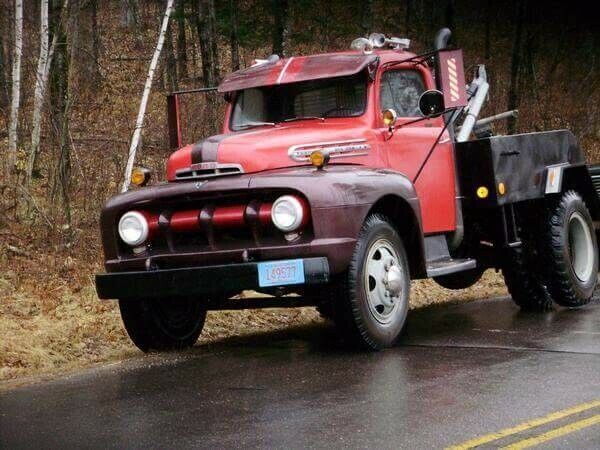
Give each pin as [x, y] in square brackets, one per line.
[145, 228]
[297, 206]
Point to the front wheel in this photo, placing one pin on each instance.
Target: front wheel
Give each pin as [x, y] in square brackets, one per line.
[571, 251]
[163, 324]
[373, 295]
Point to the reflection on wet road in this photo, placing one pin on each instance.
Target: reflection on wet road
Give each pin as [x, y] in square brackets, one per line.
[480, 373]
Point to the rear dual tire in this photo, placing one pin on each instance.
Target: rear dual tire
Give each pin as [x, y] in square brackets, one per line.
[570, 252]
[558, 265]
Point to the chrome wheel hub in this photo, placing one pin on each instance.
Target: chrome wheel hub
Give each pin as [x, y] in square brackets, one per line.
[383, 280]
[581, 247]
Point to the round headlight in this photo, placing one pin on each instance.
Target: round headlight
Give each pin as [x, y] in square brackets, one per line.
[133, 228]
[287, 213]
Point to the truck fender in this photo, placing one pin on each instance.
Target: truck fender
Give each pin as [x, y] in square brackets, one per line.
[408, 225]
[577, 178]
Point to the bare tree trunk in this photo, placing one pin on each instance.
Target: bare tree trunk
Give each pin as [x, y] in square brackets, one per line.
[367, 17]
[170, 67]
[95, 39]
[206, 24]
[233, 38]
[86, 57]
[407, 18]
[528, 81]
[38, 96]
[60, 112]
[16, 89]
[281, 28]
[135, 139]
[513, 90]
[3, 83]
[41, 83]
[449, 15]
[181, 41]
[488, 30]
[130, 13]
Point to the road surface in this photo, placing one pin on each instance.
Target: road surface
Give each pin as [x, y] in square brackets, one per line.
[480, 373]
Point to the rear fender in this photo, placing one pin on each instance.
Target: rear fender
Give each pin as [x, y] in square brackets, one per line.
[577, 178]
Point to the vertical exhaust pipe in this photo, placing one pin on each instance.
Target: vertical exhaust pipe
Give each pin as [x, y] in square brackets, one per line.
[440, 42]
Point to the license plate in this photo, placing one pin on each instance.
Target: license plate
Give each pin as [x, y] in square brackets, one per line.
[280, 273]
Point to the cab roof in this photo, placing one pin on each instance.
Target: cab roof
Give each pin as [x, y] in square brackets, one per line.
[304, 68]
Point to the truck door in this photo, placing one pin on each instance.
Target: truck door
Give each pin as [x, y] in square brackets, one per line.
[407, 148]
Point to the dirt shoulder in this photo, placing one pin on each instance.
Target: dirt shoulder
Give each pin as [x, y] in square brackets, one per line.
[51, 321]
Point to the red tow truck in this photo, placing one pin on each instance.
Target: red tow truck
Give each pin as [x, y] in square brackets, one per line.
[339, 178]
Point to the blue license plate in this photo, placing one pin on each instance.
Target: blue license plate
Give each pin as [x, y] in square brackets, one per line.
[280, 273]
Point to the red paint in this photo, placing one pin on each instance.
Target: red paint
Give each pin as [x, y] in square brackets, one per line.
[185, 221]
[264, 214]
[152, 220]
[180, 159]
[452, 78]
[266, 147]
[229, 216]
[297, 68]
[305, 211]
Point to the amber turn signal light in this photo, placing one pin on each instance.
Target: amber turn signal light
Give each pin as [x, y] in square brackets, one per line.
[482, 192]
[389, 117]
[319, 159]
[140, 176]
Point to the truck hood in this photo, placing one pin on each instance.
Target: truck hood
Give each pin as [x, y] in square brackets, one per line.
[268, 147]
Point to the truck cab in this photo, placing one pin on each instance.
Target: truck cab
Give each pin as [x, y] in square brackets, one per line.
[337, 179]
[278, 112]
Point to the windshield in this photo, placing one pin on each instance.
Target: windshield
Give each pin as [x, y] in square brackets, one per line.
[333, 97]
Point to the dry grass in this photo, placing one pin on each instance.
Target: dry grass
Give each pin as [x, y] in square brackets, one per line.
[51, 321]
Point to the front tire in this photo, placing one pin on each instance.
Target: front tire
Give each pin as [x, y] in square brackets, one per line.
[571, 251]
[163, 324]
[374, 292]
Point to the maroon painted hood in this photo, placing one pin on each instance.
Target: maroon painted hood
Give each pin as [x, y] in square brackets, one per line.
[267, 147]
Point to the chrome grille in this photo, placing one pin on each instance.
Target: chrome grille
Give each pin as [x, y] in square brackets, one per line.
[208, 170]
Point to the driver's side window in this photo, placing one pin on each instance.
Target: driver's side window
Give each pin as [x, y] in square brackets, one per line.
[400, 90]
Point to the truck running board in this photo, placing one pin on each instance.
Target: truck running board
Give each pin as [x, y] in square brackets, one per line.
[447, 266]
[439, 261]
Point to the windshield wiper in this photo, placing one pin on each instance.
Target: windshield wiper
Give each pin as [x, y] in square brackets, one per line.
[254, 124]
[293, 119]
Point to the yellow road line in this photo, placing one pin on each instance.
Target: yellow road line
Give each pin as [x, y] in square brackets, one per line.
[553, 434]
[525, 426]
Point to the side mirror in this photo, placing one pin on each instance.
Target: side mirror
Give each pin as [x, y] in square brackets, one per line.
[389, 118]
[431, 103]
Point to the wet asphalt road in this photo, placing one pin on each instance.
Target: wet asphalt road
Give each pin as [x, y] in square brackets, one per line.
[462, 372]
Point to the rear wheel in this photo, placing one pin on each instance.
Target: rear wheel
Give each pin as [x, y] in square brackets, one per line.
[571, 251]
[373, 295]
[524, 282]
[163, 324]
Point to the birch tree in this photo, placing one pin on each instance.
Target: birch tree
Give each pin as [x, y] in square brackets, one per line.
[135, 139]
[16, 89]
[41, 81]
